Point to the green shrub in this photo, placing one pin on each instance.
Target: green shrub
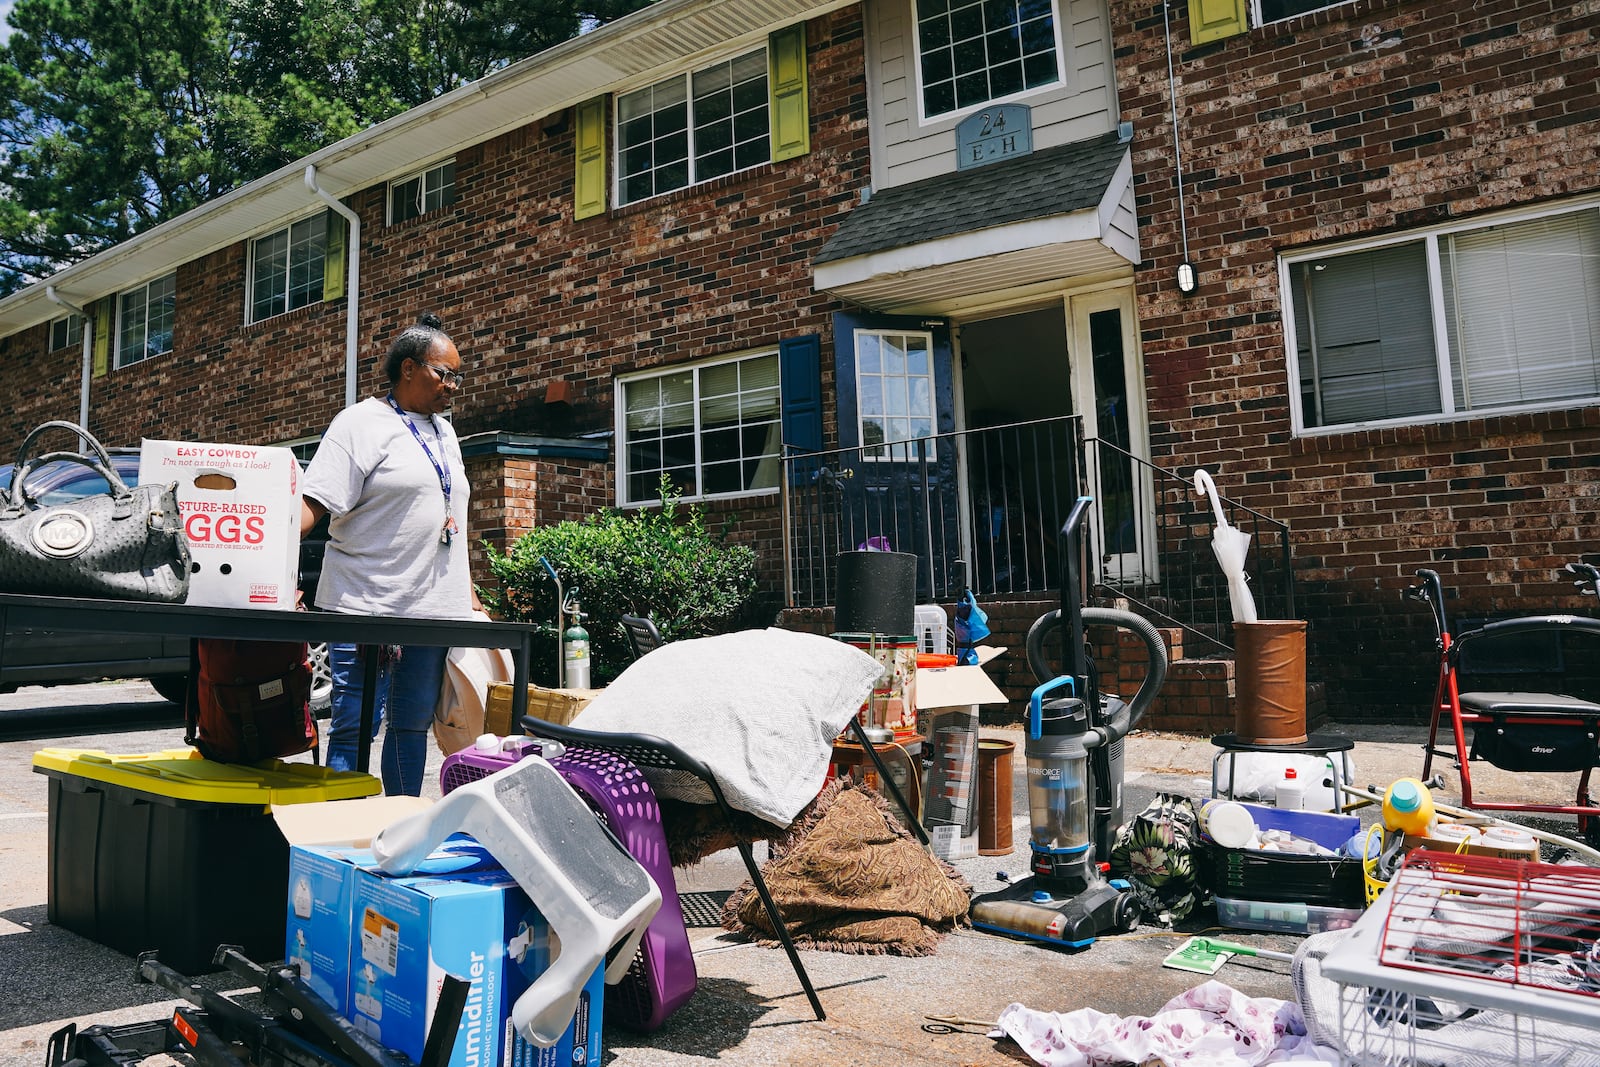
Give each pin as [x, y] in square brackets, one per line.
[662, 564]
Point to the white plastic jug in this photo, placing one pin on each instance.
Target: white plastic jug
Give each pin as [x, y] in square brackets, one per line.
[1290, 791]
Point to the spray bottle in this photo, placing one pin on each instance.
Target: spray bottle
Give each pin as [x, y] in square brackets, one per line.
[575, 649]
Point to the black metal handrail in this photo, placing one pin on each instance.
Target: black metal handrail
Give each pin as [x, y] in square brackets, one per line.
[982, 508]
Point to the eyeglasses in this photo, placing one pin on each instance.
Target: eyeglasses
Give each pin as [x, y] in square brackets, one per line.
[447, 376]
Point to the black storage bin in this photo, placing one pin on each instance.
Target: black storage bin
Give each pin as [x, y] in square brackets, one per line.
[1281, 877]
[138, 861]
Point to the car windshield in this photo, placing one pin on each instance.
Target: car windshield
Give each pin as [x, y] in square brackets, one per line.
[64, 481]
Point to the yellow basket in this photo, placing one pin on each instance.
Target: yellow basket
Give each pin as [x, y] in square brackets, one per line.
[1369, 866]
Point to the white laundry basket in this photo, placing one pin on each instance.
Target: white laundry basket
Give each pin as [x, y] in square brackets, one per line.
[933, 629]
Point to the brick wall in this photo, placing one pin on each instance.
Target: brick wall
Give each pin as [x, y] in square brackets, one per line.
[530, 296]
[1364, 119]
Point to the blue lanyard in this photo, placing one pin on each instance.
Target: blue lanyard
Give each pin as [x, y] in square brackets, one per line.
[442, 471]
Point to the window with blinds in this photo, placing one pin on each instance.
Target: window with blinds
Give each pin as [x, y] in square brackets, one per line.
[426, 190]
[1497, 316]
[693, 127]
[286, 267]
[974, 52]
[144, 320]
[714, 430]
[66, 332]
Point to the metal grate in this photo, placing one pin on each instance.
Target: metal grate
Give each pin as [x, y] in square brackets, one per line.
[703, 910]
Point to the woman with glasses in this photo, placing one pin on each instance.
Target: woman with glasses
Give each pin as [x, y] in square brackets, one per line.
[389, 472]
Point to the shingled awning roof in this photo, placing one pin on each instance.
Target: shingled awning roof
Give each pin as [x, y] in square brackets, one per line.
[1059, 212]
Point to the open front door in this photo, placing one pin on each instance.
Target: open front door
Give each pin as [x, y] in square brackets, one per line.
[1107, 365]
[895, 393]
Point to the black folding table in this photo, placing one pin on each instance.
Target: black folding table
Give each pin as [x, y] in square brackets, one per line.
[249, 624]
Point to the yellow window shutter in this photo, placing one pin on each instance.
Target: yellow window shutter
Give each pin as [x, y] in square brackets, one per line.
[102, 336]
[1212, 20]
[334, 258]
[589, 145]
[791, 115]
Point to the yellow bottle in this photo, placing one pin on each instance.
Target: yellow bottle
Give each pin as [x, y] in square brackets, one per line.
[1408, 807]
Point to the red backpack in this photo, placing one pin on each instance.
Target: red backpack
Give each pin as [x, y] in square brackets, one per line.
[254, 701]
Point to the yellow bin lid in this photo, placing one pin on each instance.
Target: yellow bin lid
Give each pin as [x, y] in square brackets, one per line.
[181, 774]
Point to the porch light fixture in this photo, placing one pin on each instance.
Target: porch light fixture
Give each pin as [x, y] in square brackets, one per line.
[1187, 280]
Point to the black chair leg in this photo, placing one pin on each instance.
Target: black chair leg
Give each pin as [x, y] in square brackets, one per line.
[777, 923]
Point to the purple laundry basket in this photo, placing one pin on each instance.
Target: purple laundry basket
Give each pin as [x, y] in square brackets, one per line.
[662, 976]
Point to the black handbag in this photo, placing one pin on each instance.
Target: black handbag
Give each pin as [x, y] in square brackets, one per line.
[124, 544]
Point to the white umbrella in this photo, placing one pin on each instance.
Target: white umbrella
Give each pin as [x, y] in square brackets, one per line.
[1231, 546]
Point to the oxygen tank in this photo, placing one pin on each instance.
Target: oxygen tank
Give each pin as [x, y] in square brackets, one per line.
[575, 651]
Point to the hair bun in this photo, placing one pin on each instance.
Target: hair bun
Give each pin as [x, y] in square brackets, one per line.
[428, 318]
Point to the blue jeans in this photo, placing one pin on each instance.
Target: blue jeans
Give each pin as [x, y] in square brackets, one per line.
[408, 691]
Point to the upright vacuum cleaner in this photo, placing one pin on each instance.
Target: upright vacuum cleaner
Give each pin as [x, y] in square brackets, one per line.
[1074, 761]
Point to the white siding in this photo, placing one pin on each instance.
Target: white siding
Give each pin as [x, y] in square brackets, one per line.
[906, 150]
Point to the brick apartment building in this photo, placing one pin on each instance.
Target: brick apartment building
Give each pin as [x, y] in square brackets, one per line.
[635, 294]
[1436, 167]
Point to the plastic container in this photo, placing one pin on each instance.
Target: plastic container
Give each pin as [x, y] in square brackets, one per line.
[1408, 807]
[1458, 832]
[1290, 792]
[171, 852]
[1507, 837]
[1285, 917]
[1227, 822]
[1280, 877]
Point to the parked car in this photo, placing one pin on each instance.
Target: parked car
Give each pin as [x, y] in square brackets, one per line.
[41, 657]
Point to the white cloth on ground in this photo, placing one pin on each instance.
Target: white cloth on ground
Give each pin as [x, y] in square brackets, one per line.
[760, 708]
[1211, 1025]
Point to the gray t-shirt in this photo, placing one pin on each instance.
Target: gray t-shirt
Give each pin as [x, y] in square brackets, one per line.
[384, 553]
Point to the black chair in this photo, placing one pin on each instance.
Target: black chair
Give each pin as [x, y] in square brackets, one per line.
[642, 635]
[646, 751]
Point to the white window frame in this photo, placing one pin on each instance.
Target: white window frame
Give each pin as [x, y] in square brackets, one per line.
[123, 357]
[924, 119]
[624, 474]
[1430, 236]
[686, 77]
[444, 191]
[250, 317]
[71, 328]
[1257, 19]
[897, 449]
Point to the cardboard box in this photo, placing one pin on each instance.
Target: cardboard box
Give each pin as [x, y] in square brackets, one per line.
[317, 930]
[580, 1046]
[241, 515]
[1475, 848]
[460, 914]
[327, 842]
[959, 687]
[947, 714]
[376, 946]
[559, 706]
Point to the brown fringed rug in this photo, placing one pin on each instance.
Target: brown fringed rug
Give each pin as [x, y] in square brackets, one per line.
[849, 878]
[695, 831]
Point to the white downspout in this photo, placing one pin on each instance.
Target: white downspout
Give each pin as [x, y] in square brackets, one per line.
[86, 342]
[352, 284]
